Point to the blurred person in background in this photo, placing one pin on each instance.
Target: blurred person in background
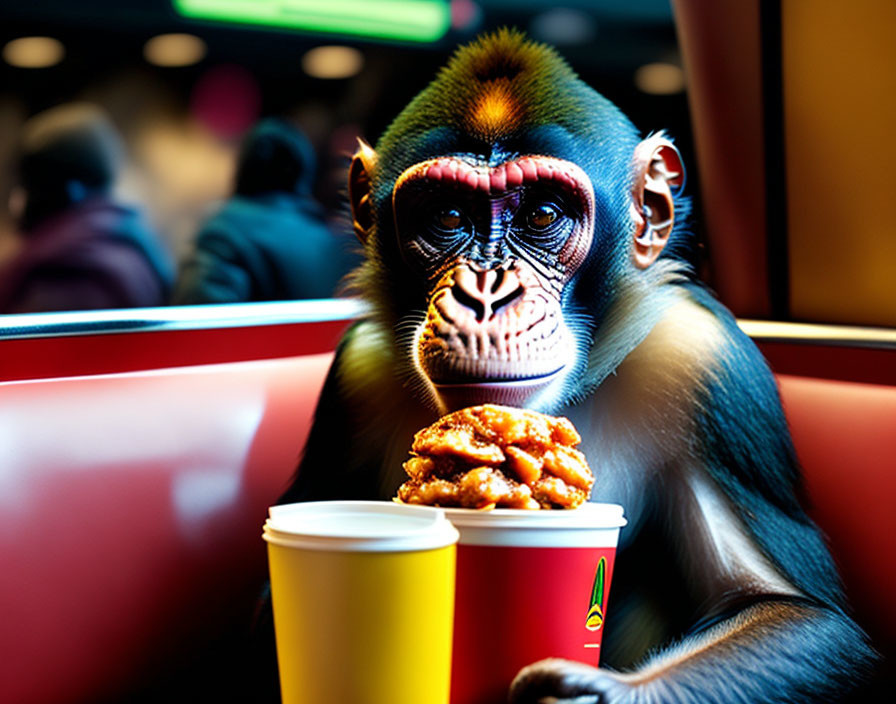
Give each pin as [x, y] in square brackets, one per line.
[270, 241]
[80, 248]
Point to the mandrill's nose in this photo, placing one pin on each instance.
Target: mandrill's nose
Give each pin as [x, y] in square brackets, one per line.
[486, 292]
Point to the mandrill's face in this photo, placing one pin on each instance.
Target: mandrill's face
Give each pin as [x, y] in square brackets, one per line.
[497, 244]
[516, 202]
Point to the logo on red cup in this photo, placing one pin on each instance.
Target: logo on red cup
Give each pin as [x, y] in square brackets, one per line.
[595, 618]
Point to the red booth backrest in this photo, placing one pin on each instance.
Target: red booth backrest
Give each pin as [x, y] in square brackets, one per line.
[131, 508]
[845, 436]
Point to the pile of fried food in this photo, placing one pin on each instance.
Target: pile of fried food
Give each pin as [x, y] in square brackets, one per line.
[496, 456]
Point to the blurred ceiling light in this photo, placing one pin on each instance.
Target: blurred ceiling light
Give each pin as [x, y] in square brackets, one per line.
[410, 20]
[33, 52]
[563, 26]
[172, 50]
[332, 62]
[660, 79]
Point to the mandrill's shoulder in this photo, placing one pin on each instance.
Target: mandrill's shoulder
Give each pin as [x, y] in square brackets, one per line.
[698, 337]
[695, 350]
[371, 376]
[695, 378]
[365, 361]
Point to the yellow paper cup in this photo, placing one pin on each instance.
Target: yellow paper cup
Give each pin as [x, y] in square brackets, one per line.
[363, 599]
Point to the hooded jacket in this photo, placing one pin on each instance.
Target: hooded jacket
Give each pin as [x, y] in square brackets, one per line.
[98, 254]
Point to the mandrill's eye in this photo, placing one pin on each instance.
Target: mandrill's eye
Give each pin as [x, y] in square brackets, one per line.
[449, 219]
[545, 221]
[443, 226]
[542, 216]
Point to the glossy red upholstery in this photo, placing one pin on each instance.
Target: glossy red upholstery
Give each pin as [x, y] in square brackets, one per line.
[131, 508]
[845, 436]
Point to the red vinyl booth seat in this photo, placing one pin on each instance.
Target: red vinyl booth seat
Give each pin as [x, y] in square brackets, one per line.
[131, 507]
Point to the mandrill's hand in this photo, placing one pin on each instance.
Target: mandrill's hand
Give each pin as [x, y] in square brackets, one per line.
[556, 681]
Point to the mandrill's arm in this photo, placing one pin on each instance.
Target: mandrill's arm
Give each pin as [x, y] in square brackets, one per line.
[757, 637]
[773, 651]
[767, 611]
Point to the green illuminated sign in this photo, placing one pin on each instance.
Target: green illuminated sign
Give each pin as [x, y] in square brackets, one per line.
[409, 20]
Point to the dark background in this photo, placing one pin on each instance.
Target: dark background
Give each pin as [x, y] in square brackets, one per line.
[182, 158]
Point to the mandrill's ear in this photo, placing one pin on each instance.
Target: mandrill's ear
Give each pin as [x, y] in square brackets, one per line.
[359, 195]
[659, 176]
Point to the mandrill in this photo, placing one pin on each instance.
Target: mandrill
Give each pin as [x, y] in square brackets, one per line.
[523, 247]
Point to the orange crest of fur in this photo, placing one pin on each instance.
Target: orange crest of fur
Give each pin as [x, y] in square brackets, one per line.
[495, 112]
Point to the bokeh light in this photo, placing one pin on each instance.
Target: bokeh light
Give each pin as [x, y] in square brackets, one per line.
[172, 50]
[227, 100]
[465, 14]
[563, 26]
[332, 62]
[660, 79]
[33, 52]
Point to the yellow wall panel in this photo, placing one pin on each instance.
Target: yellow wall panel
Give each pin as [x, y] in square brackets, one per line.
[839, 77]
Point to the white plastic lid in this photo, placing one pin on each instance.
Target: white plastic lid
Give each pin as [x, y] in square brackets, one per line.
[358, 526]
[589, 525]
[585, 517]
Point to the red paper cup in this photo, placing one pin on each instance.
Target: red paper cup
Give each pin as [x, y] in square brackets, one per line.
[530, 585]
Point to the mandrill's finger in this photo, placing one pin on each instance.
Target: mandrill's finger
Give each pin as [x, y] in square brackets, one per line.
[559, 680]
